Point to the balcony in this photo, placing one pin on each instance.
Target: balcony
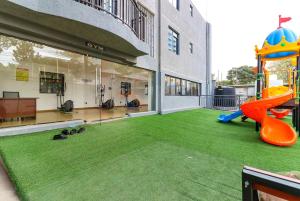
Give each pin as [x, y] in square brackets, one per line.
[119, 26]
[127, 11]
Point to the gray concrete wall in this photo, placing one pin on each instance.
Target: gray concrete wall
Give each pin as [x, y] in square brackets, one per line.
[190, 29]
[185, 65]
[180, 102]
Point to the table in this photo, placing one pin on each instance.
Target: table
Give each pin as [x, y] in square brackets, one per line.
[17, 107]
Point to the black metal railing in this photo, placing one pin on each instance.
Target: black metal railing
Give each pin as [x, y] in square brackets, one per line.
[127, 11]
[223, 102]
[148, 31]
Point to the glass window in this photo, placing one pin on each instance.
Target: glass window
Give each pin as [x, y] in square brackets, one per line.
[128, 88]
[167, 85]
[200, 89]
[53, 80]
[175, 3]
[191, 10]
[172, 86]
[188, 88]
[173, 41]
[194, 89]
[191, 48]
[183, 87]
[178, 87]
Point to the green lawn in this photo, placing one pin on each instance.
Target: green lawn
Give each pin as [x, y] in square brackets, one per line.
[180, 156]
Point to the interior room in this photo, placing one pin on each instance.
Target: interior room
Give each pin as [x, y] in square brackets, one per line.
[40, 84]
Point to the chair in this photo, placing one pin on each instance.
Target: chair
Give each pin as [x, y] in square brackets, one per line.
[10, 94]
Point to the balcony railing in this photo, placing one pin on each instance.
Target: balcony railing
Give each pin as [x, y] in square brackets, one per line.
[127, 11]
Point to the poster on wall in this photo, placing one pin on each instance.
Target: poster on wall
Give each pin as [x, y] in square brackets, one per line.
[126, 88]
[22, 74]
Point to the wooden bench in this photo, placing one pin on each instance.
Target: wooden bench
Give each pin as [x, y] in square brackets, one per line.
[254, 180]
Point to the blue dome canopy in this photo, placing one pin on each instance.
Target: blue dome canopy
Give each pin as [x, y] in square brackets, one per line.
[275, 38]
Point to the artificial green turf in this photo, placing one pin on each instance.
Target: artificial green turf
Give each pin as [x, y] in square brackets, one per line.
[181, 156]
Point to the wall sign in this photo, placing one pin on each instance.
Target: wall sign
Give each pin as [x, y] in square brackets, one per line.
[94, 46]
[22, 74]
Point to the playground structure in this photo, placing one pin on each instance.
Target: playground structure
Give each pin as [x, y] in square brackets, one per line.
[279, 45]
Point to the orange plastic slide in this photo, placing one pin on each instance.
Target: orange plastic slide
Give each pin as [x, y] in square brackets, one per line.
[279, 114]
[275, 91]
[273, 131]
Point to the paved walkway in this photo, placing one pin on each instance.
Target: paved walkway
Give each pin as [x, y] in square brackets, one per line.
[7, 191]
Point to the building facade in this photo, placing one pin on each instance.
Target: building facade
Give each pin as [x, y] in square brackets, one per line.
[66, 60]
[244, 90]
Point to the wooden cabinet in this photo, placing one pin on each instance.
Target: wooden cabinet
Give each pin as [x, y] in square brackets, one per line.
[17, 107]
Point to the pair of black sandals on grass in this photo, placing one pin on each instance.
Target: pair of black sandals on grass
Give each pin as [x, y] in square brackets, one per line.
[64, 133]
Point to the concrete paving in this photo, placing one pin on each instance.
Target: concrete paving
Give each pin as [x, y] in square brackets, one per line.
[7, 190]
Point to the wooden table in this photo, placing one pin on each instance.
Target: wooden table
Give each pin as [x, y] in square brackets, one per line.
[17, 107]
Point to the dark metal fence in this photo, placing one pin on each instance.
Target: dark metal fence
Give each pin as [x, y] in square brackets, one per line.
[223, 102]
[127, 11]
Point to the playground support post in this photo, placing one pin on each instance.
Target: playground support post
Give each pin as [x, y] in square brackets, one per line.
[297, 118]
[293, 117]
[258, 84]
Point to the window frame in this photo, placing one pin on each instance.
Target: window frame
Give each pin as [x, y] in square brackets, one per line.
[185, 87]
[177, 87]
[172, 86]
[191, 47]
[175, 38]
[194, 89]
[175, 4]
[191, 10]
[167, 85]
[199, 89]
[188, 88]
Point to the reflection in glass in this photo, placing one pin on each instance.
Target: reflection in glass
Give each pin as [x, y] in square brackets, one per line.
[54, 76]
[172, 86]
[127, 87]
[188, 88]
[167, 85]
[178, 87]
[183, 87]
[194, 89]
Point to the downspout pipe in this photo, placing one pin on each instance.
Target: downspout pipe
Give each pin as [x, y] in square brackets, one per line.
[208, 63]
[159, 76]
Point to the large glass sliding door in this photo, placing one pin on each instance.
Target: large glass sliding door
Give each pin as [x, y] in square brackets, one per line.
[131, 89]
[45, 79]
[37, 81]
[91, 110]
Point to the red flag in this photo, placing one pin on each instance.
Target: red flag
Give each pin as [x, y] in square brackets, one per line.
[282, 20]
